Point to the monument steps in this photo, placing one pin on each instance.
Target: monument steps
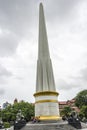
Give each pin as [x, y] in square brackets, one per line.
[49, 126]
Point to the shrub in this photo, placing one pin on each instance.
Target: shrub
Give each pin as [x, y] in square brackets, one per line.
[6, 124]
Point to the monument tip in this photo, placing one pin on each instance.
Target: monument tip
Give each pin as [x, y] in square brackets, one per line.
[41, 4]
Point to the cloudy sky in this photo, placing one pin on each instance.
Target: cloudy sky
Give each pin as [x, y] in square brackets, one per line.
[66, 22]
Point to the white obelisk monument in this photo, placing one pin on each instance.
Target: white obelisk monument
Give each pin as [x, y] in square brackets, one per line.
[46, 103]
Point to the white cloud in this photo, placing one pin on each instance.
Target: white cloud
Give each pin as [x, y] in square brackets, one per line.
[67, 30]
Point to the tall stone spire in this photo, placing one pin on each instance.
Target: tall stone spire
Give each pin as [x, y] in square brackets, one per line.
[45, 78]
[46, 104]
[43, 41]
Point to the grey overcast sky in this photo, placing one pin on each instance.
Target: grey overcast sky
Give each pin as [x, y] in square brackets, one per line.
[66, 22]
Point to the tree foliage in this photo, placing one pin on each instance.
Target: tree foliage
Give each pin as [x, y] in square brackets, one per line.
[83, 111]
[66, 111]
[9, 113]
[81, 99]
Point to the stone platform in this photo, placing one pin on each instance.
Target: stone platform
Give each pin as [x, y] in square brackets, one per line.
[49, 126]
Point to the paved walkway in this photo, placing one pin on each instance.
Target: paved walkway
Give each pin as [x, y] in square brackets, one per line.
[51, 126]
[39, 124]
[84, 129]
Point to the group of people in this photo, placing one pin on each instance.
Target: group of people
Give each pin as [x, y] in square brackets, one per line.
[35, 119]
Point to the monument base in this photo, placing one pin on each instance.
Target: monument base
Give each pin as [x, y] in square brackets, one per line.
[59, 125]
[47, 118]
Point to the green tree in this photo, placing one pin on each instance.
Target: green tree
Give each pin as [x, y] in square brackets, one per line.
[9, 113]
[83, 111]
[81, 99]
[6, 114]
[66, 111]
